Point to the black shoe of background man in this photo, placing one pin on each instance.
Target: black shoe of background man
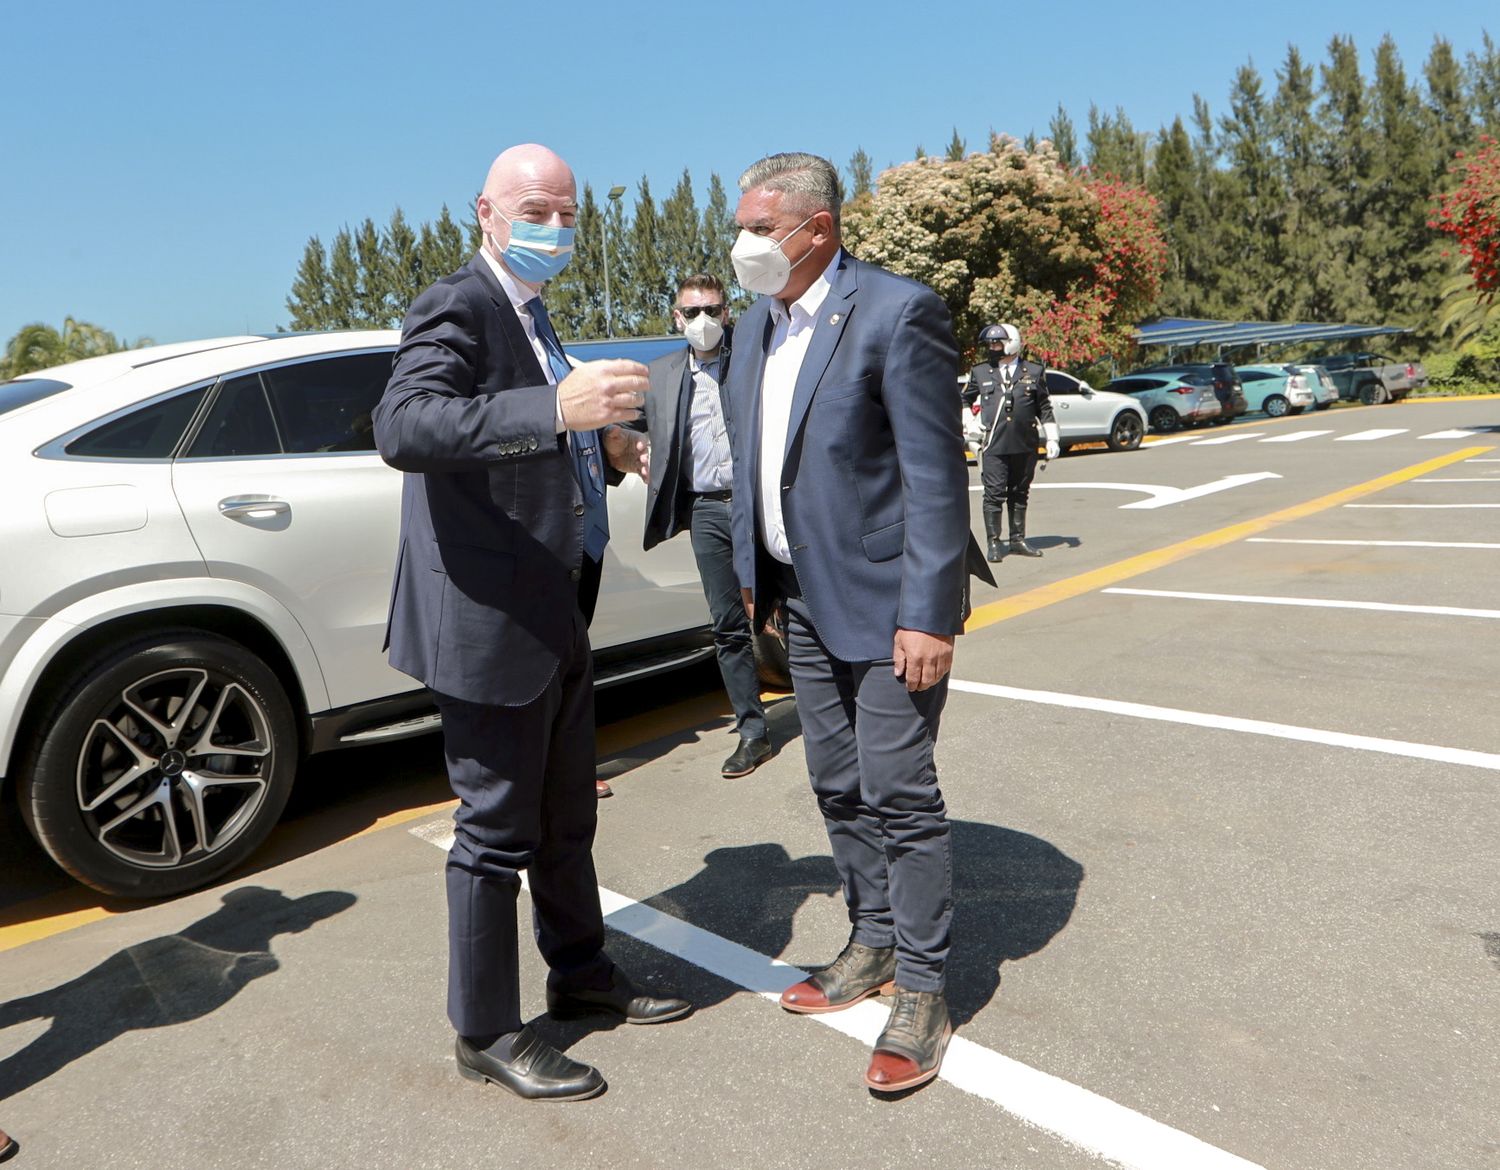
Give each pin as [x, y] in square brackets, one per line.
[622, 998]
[751, 754]
[529, 1067]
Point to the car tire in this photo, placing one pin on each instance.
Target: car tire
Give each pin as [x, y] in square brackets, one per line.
[1322, 405]
[1373, 394]
[772, 667]
[1125, 432]
[110, 788]
[1276, 406]
[1164, 420]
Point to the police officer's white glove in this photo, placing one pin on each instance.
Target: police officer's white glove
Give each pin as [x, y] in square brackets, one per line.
[1054, 442]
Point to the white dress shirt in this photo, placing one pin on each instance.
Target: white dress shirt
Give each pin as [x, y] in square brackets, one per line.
[789, 340]
[711, 464]
[520, 295]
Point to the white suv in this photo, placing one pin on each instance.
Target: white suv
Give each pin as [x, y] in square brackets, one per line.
[198, 548]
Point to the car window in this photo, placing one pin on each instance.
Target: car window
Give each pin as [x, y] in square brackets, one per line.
[1136, 385]
[151, 432]
[1254, 375]
[325, 405]
[1060, 383]
[1196, 379]
[25, 391]
[238, 423]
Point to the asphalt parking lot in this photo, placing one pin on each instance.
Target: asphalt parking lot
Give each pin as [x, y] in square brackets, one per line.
[1224, 768]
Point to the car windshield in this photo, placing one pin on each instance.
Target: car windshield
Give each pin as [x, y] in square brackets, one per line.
[25, 391]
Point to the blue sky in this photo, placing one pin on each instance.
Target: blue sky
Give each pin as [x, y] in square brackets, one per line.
[167, 161]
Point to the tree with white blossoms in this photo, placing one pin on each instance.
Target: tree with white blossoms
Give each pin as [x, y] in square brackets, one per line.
[1014, 235]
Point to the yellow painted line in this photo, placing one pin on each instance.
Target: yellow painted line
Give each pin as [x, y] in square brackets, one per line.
[53, 914]
[1070, 587]
[403, 817]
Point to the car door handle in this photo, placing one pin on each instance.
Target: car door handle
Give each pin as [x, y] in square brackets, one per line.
[253, 507]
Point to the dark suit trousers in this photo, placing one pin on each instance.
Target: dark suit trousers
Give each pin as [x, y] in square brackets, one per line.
[524, 777]
[713, 547]
[1007, 478]
[869, 744]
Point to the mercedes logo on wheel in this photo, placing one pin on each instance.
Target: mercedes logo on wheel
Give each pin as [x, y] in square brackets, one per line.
[172, 763]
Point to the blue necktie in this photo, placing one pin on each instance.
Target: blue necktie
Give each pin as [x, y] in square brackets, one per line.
[586, 446]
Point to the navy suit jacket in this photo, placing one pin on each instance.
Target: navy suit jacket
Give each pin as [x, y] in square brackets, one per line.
[491, 552]
[874, 488]
[667, 421]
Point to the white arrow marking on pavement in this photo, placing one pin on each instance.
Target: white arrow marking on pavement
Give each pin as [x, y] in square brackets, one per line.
[1370, 436]
[1083, 1119]
[1161, 495]
[1222, 439]
[1295, 436]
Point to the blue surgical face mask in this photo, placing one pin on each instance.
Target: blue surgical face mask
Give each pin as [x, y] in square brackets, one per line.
[537, 251]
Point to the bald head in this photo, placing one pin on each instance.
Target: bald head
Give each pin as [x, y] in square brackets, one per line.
[526, 182]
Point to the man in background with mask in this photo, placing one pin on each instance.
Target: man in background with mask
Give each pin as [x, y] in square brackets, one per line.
[691, 487]
[503, 527]
[851, 504]
[1013, 399]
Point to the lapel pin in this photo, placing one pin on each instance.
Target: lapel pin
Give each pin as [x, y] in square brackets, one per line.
[834, 320]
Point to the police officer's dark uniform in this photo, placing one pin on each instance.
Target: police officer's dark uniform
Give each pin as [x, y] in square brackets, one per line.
[1013, 400]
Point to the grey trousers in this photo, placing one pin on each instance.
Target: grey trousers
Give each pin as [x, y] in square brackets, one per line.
[869, 744]
[713, 548]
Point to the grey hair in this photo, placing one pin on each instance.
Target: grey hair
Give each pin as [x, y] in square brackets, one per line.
[810, 183]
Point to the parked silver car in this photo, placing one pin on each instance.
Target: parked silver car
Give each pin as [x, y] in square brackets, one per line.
[199, 542]
[1169, 401]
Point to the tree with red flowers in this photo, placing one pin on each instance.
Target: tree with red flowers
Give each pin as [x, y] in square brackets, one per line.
[1010, 234]
[1470, 213]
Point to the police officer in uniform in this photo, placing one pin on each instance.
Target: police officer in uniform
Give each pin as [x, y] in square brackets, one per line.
[1013, 399]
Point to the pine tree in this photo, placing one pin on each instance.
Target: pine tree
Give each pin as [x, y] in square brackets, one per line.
[343, 283]
[403, 275]
[718, 233]
[1114, 147]
[648, 299]
[1483, 70]
[1303, 293]
[680, 247]
[861, 181]
[370, 301]
[1184, 211]
[956, 148]
[1346, 165]
[444, 249]
[575, 300]
[1064, 138]
[1449, 124]
[1252, 188]
[308, 300]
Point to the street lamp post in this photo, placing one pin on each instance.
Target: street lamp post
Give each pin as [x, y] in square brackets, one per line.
[609, 327]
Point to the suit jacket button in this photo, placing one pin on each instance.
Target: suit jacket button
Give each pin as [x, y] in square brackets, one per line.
[578, 510]
[531, 446]
[574, 574]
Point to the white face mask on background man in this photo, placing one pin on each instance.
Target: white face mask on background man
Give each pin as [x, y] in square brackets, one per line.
[759, 263]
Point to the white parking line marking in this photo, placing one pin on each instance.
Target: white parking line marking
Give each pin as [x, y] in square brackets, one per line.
[1222, 439]
[1471, 479]
[1365, 743]
[1452, 434]
[1167, 442]
[1295, 436]
[1160, 495]
[1370, 436]
[1422, 505]
[1311, 602]
[1482, 460]
[1080, 1118]
[1378, 543]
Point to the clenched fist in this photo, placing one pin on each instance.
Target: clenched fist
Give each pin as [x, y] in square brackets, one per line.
[596, 394]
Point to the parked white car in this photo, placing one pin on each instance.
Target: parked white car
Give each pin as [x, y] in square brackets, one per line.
[199, 542]
[1083, 414]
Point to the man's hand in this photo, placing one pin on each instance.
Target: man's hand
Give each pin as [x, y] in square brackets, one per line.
[628, 451]
[747, 599]
[1054, 449]
[922, 660]
[596, 394]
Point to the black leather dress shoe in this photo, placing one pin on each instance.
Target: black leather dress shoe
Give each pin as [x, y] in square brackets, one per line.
[751, 754]
[910, 1050]
[623, 999]
[535, 1070]
[857, 973]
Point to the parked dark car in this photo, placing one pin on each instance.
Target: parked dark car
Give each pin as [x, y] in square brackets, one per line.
[1220, 375]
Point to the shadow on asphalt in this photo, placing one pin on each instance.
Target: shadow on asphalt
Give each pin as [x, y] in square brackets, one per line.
[163, 981]
[1012, 894]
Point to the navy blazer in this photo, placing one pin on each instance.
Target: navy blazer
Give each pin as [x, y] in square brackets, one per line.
[874, 488]
[667, 421]
[491, 552]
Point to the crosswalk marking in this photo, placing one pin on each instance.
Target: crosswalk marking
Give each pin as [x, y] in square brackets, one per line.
[1452, 434]
[1371, 435]
[1295, 436]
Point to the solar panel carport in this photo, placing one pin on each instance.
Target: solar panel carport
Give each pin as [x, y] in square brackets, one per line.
[1176, 333]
